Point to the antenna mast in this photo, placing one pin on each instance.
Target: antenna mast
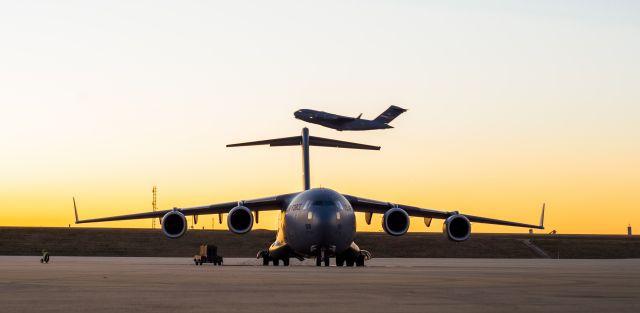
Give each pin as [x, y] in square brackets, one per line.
[153, 205]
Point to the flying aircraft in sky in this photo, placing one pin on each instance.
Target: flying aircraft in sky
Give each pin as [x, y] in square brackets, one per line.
[315, 223]
[339, 122]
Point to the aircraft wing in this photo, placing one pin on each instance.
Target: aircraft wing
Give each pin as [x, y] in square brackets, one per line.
[375, 206]
[338, 120]
[342, 119]
[260, 204]
[336, 117]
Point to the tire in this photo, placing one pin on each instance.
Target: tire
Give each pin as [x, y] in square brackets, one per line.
[265, 260]
[327, 261]
[349, 262]
[318, 260]
[285, 261]
[360, 261]
[339, 261]
[276, 262]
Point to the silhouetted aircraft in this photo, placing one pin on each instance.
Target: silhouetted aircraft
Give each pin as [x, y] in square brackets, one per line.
[339, 122]
[315, 223]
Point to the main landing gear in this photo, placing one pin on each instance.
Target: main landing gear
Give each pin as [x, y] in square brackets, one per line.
[351, 260]
[266, 258]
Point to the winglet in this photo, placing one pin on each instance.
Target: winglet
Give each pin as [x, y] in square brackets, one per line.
[75, 209]
[542, 216]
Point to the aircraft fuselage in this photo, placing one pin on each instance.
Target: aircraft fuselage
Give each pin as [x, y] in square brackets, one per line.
[338, 122]
[316, 219]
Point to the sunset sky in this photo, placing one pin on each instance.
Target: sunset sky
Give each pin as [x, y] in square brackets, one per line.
[511, 104]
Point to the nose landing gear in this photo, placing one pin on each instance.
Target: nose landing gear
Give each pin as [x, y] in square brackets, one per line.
[323, 257]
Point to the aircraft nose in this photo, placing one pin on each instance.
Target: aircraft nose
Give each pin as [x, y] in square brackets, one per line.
[327, 220]
[326, 216]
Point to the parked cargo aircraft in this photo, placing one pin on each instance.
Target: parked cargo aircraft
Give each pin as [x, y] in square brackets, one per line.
[339, 122]
[315, 223]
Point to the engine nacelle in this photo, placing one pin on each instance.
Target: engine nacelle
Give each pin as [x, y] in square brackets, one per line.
[457, 227]
[395, 222]
[240, 220]
[174, 224]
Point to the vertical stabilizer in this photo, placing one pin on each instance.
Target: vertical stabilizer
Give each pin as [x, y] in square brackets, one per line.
[306, 177]
[390, 114]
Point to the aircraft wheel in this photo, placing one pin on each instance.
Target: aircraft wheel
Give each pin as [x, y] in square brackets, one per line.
[339, 261]
[360, 261]
[318, 260]
[349, 262]
[276, 262]
[285, 261]
[326, 261]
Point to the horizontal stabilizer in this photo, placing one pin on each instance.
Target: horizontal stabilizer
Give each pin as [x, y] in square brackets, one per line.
[287, 141]
[313, 141]
[325, 142]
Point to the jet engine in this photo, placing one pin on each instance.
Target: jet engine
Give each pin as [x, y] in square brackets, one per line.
[395, 222]
[174, 224]
[240, 220]
[457, 227]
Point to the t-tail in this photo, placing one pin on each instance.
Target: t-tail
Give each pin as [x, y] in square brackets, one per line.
[304, 141]
[390, 114]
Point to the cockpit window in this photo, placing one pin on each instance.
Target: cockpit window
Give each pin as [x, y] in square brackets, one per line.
[323, 203]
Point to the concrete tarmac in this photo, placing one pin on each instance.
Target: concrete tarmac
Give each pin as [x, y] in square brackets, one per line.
[98, 284]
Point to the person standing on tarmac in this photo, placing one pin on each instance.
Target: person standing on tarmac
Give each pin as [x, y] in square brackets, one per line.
[45, 256]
